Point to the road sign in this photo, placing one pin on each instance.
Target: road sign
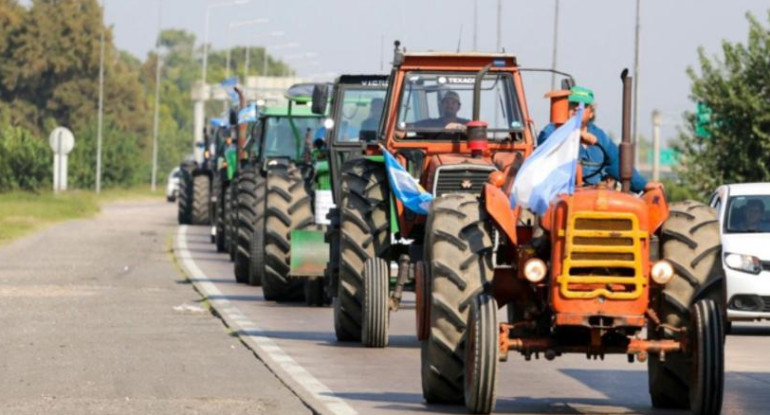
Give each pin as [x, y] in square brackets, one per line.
[62, 141]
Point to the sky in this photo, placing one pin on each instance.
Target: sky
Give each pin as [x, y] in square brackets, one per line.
[595, 42]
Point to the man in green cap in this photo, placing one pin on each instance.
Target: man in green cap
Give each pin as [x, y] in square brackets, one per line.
[595, 168]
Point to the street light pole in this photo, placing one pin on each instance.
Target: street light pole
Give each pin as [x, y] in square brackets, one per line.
[555, 42]
[101, 108]
[499, 43]
[636, 85]
[157, 101]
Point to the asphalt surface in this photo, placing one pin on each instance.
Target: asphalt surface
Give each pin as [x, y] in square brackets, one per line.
[298, 343]
[97, 319]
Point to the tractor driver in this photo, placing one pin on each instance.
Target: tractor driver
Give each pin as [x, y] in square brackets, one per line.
[450, 105]
[590, 156]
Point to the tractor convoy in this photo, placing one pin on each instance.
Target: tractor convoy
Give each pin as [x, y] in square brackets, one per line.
[355, 192]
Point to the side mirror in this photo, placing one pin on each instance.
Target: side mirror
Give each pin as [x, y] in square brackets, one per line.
[567, 84]
[320, 98]
[233, 117]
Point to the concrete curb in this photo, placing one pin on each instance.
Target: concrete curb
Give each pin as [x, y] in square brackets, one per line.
[317, 396]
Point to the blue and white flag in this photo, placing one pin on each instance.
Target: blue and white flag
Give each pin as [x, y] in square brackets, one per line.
[248, 114]
[218, 122]
[405, 187]
[551, 169]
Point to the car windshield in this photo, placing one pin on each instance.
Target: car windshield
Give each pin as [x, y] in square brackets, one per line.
[748, 214]
[441, 102]
[285, 137]
[361, 111]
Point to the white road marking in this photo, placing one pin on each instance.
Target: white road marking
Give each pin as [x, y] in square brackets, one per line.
[315, 394]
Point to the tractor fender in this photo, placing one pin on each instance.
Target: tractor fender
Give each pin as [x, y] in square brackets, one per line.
[499, 208]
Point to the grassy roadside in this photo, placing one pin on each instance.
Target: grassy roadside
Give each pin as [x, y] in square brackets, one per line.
[22, 212]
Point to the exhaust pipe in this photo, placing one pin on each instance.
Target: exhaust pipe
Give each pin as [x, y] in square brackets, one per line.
[626, 146]
[477, 129]
[241, 127]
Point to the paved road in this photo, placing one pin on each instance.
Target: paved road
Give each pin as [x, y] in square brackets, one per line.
[299, 344]
[98, 320]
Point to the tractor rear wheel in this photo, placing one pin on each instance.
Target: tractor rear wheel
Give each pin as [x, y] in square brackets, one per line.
[289, 207]
[233, 222]
[459, 258]
[690, 242]
[364, 233]
[201, 199]
[184, 213]
[226, 205]
[481, 355]
[221, 210]
[250, 202]
[376, 309]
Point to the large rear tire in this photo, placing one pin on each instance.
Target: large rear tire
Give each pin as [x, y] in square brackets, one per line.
[364, 233]
[201, 199]
[250, 202]
[233, 221]
[376, 310]
[459, 256]
[690, 242]
[289, 207]
[220, 217]
[481, 355]
[184, 207]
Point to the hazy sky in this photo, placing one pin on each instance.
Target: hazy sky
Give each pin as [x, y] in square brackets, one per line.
[596, 38]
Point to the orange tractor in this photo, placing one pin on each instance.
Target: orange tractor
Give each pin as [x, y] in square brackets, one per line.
[602, 271]
[376, 243]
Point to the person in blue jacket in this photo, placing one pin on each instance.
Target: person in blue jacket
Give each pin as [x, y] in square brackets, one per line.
[592, 157]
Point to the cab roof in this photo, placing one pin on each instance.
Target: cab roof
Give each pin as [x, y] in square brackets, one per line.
[283, 111]
[748, 189]
[459, 60]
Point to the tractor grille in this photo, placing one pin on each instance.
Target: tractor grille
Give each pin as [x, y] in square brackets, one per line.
[603, 257]
[460, 179]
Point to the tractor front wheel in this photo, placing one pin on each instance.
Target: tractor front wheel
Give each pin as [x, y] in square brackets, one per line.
[481, 355]
[201, 199]
[250, 221]
[184, 206]
[376, 309]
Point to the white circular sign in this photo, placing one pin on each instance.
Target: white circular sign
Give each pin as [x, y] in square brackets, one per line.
[62, 140]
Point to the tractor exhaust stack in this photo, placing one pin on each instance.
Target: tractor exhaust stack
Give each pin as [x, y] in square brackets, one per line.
[626, 146]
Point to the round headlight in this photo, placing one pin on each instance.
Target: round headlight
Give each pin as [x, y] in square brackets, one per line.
[329, 123]
[535, 270]
[662, 272]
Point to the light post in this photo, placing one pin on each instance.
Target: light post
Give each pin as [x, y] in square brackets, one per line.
[657, 120]
[202, 94]
[157, 102]
[636, 84]
[101, 109]
[555, 42]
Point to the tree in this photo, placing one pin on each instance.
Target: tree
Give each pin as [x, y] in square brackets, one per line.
[737, 90]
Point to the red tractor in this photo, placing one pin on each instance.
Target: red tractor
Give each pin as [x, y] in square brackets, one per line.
[377, 243]
[602, 271]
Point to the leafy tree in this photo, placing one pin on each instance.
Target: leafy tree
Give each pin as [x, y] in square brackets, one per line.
[737, 89]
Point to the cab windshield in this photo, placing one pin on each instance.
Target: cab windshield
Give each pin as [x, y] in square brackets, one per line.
[437, 103]
[748, 214]
[361, 111]
[285, 137]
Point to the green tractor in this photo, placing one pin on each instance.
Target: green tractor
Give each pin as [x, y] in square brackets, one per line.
[225, 165]
[355, 109]
[275, 191]
[195, 185]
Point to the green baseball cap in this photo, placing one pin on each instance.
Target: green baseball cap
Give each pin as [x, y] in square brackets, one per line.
[581, 95]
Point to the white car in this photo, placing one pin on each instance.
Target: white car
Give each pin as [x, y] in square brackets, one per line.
[172, 185]
[744, 217]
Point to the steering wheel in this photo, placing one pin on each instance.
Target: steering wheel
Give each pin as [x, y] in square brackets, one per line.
[605, 162]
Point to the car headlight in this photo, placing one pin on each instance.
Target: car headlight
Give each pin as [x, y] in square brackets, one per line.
[745, 263]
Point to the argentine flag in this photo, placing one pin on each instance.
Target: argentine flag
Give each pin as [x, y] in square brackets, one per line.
[550, 170]
[405, 187]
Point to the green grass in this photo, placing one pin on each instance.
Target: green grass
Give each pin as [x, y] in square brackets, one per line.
[23, 212]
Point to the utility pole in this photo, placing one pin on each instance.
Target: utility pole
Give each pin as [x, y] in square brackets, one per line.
[475, 24]
[157, 101]
[101, 107]
[382, 53]
[636, 86]
[499, 44]
[657, 120]
[555, 42]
